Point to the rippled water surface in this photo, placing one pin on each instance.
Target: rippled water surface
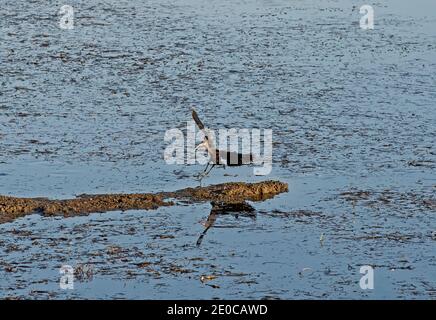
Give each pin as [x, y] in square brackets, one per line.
[353, 119]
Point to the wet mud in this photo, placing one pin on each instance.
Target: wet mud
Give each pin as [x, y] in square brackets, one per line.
[234, 192]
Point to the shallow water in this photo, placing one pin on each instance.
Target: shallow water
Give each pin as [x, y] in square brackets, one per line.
[86, 110]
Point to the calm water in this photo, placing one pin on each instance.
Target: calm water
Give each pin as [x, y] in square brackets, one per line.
[86, 110]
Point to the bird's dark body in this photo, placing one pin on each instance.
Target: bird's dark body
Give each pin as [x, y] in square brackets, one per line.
[232, 160]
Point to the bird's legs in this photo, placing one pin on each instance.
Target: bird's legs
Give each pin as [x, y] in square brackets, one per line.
[207, 166]
[211, 167]
[202, 174]
[205, 171]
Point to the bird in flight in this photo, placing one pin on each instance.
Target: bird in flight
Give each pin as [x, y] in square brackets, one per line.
[217, 156]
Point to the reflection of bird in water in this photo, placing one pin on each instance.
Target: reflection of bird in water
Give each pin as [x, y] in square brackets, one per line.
[221, 208]
[209, 223]
[217, 156]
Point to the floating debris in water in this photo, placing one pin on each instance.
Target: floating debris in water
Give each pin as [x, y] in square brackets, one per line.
[321, 239]
[207, 278]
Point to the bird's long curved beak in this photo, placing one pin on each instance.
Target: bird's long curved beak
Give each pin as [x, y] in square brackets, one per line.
[201, 145]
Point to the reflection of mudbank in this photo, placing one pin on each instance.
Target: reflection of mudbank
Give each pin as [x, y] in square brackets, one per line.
[220, 208]
[235, 192]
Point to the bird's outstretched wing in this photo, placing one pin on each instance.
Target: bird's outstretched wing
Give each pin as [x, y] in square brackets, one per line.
[197, 120]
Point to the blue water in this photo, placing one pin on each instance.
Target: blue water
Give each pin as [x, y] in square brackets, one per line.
[86, 110]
